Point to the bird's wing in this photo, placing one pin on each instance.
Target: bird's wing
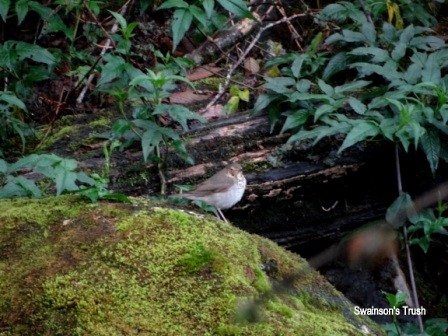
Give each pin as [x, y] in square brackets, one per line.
[208, 188]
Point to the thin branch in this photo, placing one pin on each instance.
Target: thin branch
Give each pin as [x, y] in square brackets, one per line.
[103, 51]
[246, 52]
[406, 242]
[366, 12]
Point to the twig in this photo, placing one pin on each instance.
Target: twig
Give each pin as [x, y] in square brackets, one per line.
[243, 56]
[366, 12]
[106, 33]
[406, 242]
[103, 51]
[295, 34]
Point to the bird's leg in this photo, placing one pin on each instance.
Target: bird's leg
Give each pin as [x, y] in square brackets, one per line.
[221, 215]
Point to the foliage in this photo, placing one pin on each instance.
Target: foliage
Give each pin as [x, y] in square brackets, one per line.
[146, 92]
[396, 87]
[202, 13]
[423, 225]
[236, 95]
[11, 123]
[63, 173]
[433, 327]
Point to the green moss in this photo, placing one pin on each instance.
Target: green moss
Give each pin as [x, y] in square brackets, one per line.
[100, 123]
[59, 134]
[281, 308]
[211, 83]
[111, 269]
[197, 258]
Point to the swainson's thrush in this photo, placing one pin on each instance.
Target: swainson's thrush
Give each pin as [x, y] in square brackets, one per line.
[223, 190]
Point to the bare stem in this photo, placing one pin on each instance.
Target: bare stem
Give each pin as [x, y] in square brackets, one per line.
[406, 242]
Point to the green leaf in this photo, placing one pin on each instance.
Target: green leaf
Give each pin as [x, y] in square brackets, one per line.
[327, 89]
[262, 102]
[431, 70]
[120, 127]
[351, 86]
[379, 55]
[357, 106]
[150, 140]
[402, 202]
[12, 100]
[232, 105]
[407, 34]
[179, 114]
[368, 30]
[4, 8]
[336, 64]
[296, 66]
[181, 151]
[64, 179]
[173, 4]
[198, 14]
[280, 85]
[120, 19]
[399, 51]
[323, 110]
[295, 119]
[244, 95]
[21, 10]
[363, 130]
[237, 7]
[303, 85]
[182, 19]
[20, 186]
[431, 147]
[209, 7]
[35, 53]
[27, 161]
[351, 36]
[3, 166]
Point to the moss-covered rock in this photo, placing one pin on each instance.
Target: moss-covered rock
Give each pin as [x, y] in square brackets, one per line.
[70, 268]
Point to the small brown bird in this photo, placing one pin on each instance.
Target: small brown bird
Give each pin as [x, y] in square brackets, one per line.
[223, 190]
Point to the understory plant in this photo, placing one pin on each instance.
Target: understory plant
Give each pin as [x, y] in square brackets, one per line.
[376, 77]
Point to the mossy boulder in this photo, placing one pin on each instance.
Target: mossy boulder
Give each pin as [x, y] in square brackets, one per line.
[72, 268]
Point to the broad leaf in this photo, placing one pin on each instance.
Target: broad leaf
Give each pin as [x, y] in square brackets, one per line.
[262, 102]
[357, 106]
[431, 70]
[22, 9]
[150, 140]
[295, 119]
[173, 4]
[232, 105]
[379, 55]
[336, 64]
[352, 86]
[35, 53]
[280, 85]
[296, 66]
[12, 100]
[4, 8]
[431, 147]
[327, 89]
[361, 131]
[199, 14]
[368, 30]
[400, 204]
[237, 7]
[208, 7]
[3, 166]
[323, 110]
[182, 19]
[65, 180]
[179, 114]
